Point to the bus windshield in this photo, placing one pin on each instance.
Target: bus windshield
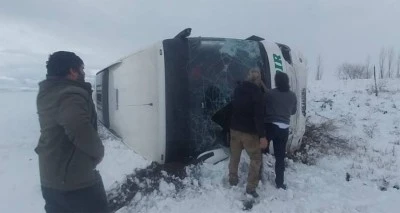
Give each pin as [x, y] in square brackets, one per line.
[215, 66]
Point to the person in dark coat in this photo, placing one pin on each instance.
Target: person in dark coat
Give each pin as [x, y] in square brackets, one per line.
[69, 147]
[280, 104]
[246, 129]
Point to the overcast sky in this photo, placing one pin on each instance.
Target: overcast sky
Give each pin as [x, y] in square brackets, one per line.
[102, 31]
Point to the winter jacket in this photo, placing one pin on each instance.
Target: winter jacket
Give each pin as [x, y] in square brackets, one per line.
[69, 146]
[248, 109]
[279, 106]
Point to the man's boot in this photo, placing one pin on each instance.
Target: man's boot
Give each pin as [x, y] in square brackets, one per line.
[253, 193]
[233, 181]
[281, 186]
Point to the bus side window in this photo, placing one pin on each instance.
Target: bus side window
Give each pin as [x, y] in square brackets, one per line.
[286, 53]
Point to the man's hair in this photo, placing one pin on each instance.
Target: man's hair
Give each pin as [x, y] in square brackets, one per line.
[59, 63]
[250, 76]
[282, 82]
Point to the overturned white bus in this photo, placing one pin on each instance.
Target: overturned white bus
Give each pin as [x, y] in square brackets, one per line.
[165, 101]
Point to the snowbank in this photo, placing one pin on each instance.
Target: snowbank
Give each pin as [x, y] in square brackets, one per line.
[370, 125]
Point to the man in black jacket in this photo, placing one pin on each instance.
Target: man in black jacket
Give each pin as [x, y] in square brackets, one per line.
[69, 147]
[247, 130]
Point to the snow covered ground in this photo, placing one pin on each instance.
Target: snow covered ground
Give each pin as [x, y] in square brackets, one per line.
[368, 125]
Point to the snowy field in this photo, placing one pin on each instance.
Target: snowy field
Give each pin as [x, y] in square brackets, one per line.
[366, 153]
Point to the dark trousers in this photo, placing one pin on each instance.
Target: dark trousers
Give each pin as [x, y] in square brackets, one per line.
[279, 137]
[90, 199]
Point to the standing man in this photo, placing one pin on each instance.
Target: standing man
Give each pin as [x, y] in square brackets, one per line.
[247, 129]
[281, 103]
[69, 147]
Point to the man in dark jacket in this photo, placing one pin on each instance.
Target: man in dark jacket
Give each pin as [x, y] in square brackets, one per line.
[247, 129]
[69, 147]
[281, 103]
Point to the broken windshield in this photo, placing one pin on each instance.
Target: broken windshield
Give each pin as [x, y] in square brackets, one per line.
[214, 69]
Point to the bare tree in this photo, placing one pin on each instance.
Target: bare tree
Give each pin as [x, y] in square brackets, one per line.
[390, 62]
[319, 68]
[367, 65]
[351, 71]
[398, 66]
[382, 59]
[376, 86]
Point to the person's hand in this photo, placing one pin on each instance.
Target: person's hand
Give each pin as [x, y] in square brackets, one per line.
[259, 82]
[263, 143]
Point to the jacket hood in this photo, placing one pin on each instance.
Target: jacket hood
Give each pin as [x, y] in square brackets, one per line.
[52, 82]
